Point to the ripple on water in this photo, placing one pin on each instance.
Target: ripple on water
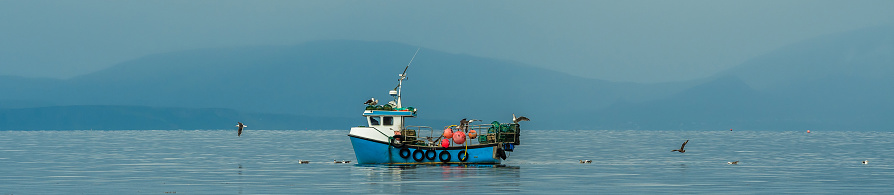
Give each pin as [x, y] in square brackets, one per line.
[265, 162]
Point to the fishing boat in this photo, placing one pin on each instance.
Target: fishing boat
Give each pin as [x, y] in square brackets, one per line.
[387, 140]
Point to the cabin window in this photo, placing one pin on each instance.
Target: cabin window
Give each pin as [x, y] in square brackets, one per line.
[373, 121]
[388, 120]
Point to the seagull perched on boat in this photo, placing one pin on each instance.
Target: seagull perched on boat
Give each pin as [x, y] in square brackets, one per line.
[240, 126]
[733, 163]
[371, 101]
[681, 150]
[516, 120]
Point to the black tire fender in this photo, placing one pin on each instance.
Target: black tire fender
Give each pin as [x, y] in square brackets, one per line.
[397, 144]
[501, 153]
[420, 154]
[462, 156]
[444, 156]
[404, 153]
[431, 154]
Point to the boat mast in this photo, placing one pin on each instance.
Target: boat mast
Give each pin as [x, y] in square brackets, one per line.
[403, 76]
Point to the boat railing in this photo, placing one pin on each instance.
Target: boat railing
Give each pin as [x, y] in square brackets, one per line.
[486, 134]
[412, 135]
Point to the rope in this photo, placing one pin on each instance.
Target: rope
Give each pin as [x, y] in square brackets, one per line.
[390, 140]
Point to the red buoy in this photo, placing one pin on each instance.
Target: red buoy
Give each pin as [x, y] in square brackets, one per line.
[445, 143]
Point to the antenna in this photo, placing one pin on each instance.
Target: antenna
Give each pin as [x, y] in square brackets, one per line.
[411, 62]
[401, 80]
[404, 74]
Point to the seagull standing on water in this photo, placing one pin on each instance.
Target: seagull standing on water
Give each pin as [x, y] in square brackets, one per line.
[371, 101]
[681, 150]
[516, 120]
[240, 126]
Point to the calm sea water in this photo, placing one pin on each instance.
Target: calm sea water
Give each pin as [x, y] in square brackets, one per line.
[265, 162]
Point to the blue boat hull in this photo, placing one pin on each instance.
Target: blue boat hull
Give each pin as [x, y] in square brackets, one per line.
[376, 152]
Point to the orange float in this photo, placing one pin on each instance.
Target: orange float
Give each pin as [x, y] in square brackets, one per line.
[448, 133]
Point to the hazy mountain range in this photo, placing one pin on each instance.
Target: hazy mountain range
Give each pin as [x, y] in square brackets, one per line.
[838, 81]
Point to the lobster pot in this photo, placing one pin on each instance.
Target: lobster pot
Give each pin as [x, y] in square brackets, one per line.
[504, 133]
[511, 134]
[410, 135]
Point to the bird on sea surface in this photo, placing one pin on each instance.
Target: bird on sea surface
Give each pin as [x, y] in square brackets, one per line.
[340, 162]
[733, 163]
[681, 150]
[586, 161]
[240, 126]
[303, 162]
[522, 118]
[865, 162]
[371, 101]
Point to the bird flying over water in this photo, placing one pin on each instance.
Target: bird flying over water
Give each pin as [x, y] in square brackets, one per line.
[516, 120]
[240, 126]
[371, 101]
[681, 150]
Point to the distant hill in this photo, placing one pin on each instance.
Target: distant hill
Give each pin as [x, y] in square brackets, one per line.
[839, 82]
[142, 117]
[333, 78]
[835, 82]
[866, 53]
[19, 92]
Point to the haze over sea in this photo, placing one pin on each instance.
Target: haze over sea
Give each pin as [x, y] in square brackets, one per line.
[266, 162]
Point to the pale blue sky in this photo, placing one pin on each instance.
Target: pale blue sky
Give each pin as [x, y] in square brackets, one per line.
[640, 41]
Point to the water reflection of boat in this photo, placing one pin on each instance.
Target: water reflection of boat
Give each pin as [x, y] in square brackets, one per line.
[387, 140]
[403, 179]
